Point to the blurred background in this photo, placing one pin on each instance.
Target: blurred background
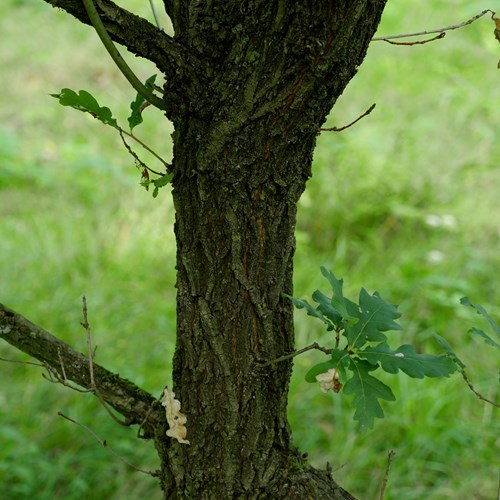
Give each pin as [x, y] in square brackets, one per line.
[406, 202]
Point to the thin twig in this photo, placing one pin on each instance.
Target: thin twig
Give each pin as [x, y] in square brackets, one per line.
[430, 32]
[419, 42]
[61, 364]
[154, 14]
[390, 458]
[105, 445]
[21, 362]
[498, 492]
[315, 345]
[168, 167]
[90, 355]
[153, 404]
[339, 129]
[478, 394]
[55, 378]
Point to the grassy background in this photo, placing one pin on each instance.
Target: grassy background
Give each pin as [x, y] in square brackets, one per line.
[406, 202]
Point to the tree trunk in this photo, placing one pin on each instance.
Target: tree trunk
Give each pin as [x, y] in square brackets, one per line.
[245, 131]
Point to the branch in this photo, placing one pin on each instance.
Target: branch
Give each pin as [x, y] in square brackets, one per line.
[98, 25]
[473, 389]
[314, 345]
[390, 458]
[339, 129]
[138, 35]
[124, 396]
[441, 31]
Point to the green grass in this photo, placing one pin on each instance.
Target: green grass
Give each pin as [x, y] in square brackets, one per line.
[74, 221]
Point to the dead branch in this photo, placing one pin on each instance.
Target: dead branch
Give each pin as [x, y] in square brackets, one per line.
[390, 458]
[478, 394]
[124, 396]
[339, 129]
[441, 31]
[90, 355]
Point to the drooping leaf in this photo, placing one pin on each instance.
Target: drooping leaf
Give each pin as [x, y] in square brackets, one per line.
[84, 101]
[311, 311]
[339, 360]
[326, 308]
[137, 106]
[376, 316]
[406, 359]
[367, 391]
[485, 337]
[482, 311]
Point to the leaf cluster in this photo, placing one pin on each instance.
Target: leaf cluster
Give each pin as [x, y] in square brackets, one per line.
[86, 102]
[361, 348]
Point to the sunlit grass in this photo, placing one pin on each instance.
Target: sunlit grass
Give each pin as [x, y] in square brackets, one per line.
[406, 203]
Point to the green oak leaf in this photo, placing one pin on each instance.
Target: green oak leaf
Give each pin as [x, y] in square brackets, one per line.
[485, 337]
[339, 360]
[345, 307]
[311, 311]
[326, 309]
[84, 101]
[367, 391]
[136, 106]
[406, 359]
[376, 316]
[482, 311]
[161, 182]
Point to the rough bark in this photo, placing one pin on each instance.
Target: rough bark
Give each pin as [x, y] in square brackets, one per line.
[248, 86]
[245, 131]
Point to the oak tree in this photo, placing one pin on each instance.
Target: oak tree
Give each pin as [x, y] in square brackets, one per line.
[247, 88]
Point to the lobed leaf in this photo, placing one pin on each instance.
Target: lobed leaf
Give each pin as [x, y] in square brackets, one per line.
[376, 316]
[405, 358]
[345, 307]
[84, 101]
[137, 106]
[326, 309]
[311, 311]
[367, 391]
[482, 311]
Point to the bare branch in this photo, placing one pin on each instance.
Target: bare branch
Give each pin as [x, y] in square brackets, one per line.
[339, 129]
[419, 42]
[105, 445]
[124, 396]
[441, 31]
[315, 345]
[478, 394]
[390, 458]
[90, 355]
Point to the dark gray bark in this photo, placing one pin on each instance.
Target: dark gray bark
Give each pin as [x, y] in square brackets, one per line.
[248, 86]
